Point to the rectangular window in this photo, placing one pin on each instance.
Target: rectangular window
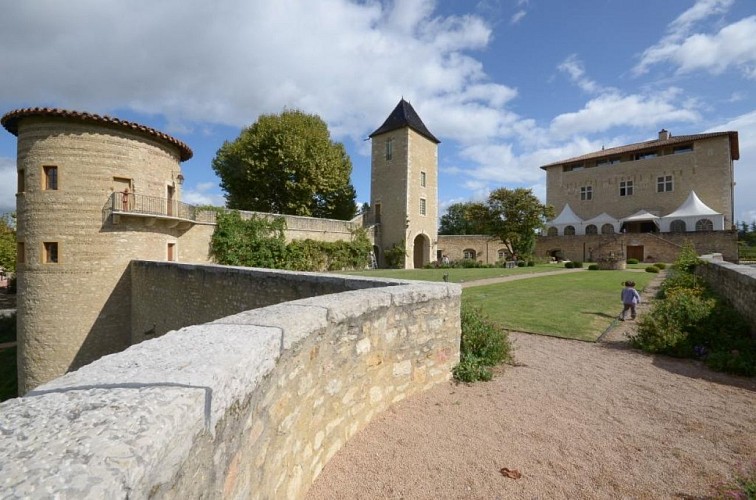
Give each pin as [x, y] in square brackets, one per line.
[683, 149]
[20, 253]
[422, 179]
[50, 177]
[422, 207]
[377, 213]
[646, 155]
[171, 254]
[607, 161]
[586, 193]
[50, 252]
[626, 188]
[664, 184]
[389, 148]
[21, 181]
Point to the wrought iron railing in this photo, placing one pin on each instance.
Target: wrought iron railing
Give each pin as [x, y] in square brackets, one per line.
[131, 203]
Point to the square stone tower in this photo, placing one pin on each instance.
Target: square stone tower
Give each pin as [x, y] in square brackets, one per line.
[404, 186]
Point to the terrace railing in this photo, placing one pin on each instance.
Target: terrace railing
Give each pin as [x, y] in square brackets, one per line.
[144, 205]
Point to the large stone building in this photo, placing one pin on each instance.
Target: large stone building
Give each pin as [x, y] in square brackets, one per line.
[644, 200]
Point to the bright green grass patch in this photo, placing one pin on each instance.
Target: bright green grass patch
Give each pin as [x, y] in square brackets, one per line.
[575, 305]
[456, 275]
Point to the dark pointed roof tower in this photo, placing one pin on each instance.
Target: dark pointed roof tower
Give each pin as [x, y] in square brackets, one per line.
[404, 115]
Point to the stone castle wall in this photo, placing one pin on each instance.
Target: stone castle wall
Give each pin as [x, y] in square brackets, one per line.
[734, 282]
[249, 405]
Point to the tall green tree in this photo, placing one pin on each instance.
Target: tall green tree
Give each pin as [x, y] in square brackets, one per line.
[8, 241]
[513, 216]
[456, 220]
[287, 164]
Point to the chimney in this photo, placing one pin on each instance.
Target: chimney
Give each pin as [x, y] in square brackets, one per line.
[664, 135]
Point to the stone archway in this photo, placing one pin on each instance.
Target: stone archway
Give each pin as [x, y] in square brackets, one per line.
[421, 251]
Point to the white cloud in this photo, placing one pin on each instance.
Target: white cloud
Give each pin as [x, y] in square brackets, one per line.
[7, 185]
[574, 68]
[733, 46]
[518, 16]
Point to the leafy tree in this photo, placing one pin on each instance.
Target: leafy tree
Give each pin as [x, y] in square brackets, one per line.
[512, 215]
[456, 220]
[8, 241]
[287, 164]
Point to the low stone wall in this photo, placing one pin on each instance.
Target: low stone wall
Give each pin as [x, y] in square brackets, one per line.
[249, 405]
[734, 282]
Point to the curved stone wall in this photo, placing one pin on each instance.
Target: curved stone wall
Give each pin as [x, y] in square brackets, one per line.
[249, 405]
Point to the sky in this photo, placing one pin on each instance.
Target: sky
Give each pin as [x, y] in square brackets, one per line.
[506, 85]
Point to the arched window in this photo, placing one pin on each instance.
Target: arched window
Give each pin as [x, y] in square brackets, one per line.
[502, 253]
[552, 231]
[469, 253]
[677, 226]
[607, 229]
[704, 225]
[591, 229]
[569, 230]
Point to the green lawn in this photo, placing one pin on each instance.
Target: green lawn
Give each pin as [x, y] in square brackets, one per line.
[578, 305]
[456, 275]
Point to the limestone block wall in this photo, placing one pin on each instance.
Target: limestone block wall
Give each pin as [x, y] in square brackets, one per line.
[735, 282]
[486, 248]
[248, 406]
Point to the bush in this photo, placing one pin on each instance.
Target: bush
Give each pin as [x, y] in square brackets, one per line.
[593, 267]
[395, 256]
[652, 269]
[520, 263]
[569, 265]
[577, 264]
[483, 345]
[632, 261]
[531, 263]
[660, 265]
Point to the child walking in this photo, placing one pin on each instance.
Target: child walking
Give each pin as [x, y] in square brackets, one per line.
[630, 298]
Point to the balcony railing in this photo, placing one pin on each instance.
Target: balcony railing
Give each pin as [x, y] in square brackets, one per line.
[153, 206]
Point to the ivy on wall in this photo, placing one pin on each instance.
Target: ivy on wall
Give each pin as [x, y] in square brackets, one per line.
[260, 242]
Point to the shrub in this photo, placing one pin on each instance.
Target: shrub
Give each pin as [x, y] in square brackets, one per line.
[577, 264]
[482, 346]
[652, 269]
[531, 263]
[569, 265]
[632, 261]
[593, 267]
[660, 265]
[395, 255]
[520, 263]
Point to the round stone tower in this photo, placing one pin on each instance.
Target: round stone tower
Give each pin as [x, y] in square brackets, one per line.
[93, 193]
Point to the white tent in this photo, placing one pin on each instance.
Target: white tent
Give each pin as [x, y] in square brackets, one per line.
[600, 220]
[690, 213]
[567, 218]
[641, 216]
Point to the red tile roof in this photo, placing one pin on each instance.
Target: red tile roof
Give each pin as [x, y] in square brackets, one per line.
[650, 145]
[11, 119]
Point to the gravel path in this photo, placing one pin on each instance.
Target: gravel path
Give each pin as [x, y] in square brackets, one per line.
[574, 419]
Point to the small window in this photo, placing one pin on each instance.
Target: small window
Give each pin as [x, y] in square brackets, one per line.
[171, 254]
[20, 253]
[646, 155]
[569, 231]
[626, 188]
[677, 226]
[586, 193]
[574, 167]
[687, 148]
[423, 207]
[377, 213]
[552, 231]
[51, 177]
[607, 161]
[664, 184]
[50, 252]
[21, 181]
[607, 229]
[389, 148]
[591, 229]
[422, 179]
[502, 253]
[704, 225]
[469, 254]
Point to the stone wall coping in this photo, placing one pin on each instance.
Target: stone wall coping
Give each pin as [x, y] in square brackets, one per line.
[127, 420]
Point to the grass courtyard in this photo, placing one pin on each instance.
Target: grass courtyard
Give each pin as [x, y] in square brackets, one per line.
[578, 305]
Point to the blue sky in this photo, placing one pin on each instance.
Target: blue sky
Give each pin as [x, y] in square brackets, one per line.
[506, 85]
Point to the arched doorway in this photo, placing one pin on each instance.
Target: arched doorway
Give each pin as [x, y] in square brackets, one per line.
[421, 251]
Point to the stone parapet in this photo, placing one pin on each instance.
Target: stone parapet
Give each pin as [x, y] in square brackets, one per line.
[735, 282]
[249, 405]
